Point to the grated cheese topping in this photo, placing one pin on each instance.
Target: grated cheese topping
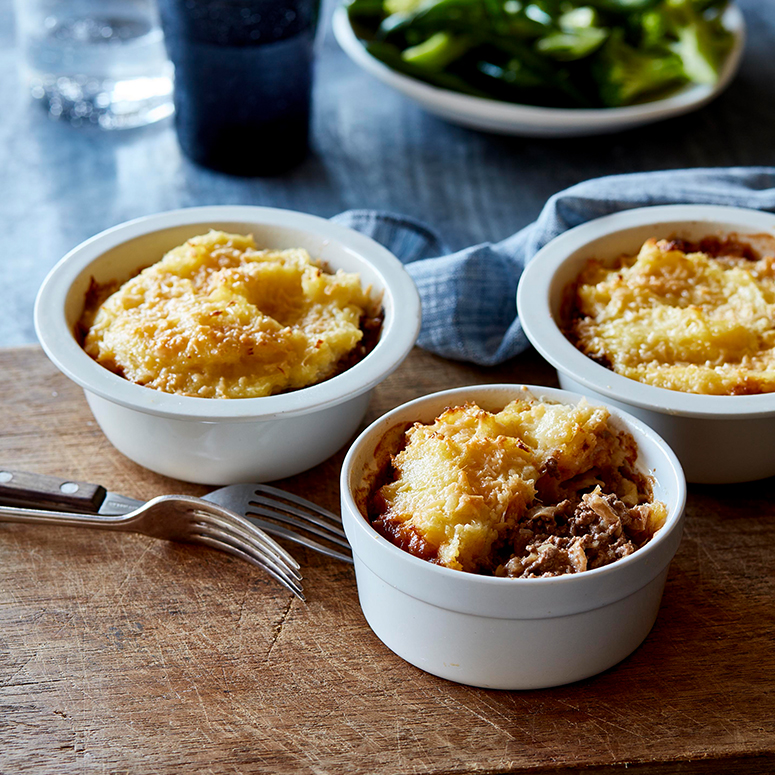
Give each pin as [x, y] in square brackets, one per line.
[679, 320]
[219, 318]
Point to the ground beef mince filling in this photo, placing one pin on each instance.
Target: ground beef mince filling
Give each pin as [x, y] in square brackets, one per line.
[574, 536]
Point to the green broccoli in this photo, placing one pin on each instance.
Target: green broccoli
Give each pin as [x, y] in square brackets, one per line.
[701, 43]
[625, 74]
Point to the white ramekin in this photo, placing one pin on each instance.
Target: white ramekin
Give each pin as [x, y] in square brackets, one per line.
[218, 441]
[504, 633]
[718, 439]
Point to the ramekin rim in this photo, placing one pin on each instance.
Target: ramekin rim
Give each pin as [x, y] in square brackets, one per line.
[673, 522]
[534, 311]
[63, 350]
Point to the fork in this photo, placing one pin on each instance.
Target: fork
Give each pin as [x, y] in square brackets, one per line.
[300, 520]
[186, 519]
[275, 511]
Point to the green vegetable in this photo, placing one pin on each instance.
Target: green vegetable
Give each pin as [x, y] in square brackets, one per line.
[437, 52]
[579, 34]
[623, 6]
[551, 82]
[391, 56]
[564, 53]
[572, 45]
[699, 44]
[402, 6]
[463, 16]
[625, 74]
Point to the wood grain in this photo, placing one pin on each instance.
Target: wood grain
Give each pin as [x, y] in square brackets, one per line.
[121, 653]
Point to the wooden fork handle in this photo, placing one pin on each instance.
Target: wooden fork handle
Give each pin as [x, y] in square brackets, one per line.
[28, 489]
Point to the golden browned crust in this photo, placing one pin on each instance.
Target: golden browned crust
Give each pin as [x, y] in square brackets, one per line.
[219, 318]
[693, 318]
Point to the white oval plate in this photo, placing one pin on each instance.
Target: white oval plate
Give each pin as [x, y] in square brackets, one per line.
[531, 121]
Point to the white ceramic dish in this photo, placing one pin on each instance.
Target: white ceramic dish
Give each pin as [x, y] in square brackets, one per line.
[214, 441]
[504, 633]
[718, 439]
[531, 121]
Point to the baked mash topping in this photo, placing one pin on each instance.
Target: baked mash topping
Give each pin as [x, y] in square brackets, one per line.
[694, 318]
[537, 489]
[219, 318]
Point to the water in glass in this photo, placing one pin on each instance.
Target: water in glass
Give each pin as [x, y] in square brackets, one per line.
[97, 62]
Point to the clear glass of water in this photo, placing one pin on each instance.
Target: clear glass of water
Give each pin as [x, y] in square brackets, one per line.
[100, 62]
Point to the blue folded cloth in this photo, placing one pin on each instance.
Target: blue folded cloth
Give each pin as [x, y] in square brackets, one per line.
[469, 297]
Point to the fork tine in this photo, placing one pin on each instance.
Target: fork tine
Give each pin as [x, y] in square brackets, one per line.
[336, 537]
[229, 520]
[291, 535]
[248, 548]
[253, 537]
[256, 559]
[309, 506]
[234, 534]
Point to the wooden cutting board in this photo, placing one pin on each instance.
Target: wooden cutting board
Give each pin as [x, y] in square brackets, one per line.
[121, 653]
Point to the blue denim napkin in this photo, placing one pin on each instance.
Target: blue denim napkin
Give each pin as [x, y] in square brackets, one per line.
[469, 297]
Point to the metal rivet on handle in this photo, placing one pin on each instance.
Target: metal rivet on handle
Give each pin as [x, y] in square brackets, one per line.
[69, 488]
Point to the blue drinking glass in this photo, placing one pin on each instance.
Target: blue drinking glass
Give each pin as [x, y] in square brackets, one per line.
[243, 81]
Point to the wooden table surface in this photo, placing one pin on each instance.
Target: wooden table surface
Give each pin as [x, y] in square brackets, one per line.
[125, 654]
